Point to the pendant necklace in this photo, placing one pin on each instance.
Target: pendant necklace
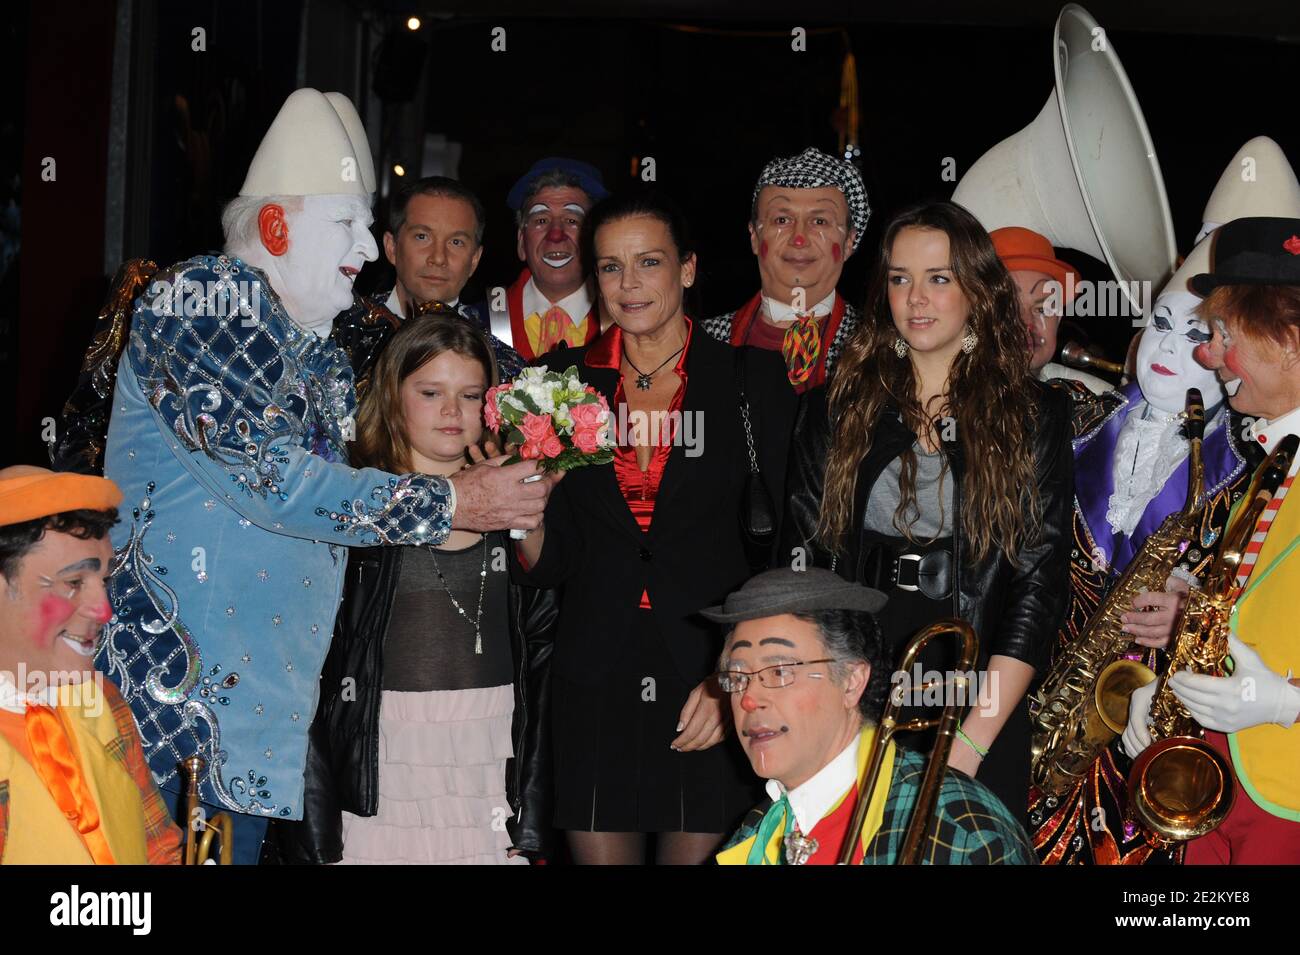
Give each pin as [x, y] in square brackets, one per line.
[642, 379]
[482, 586]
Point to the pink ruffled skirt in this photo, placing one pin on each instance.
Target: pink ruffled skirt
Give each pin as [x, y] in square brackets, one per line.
[442, 775]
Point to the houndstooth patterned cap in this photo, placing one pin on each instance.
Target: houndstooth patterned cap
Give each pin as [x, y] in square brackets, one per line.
[814, 169]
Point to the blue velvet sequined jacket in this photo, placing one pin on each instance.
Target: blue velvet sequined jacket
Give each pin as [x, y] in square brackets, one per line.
[227, 439]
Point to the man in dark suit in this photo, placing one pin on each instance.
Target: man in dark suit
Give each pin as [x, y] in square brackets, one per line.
[434, 241]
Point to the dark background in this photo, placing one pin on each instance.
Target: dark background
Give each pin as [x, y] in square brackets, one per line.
[710, 92]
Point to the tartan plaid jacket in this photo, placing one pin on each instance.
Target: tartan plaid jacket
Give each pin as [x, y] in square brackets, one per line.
[973, 826]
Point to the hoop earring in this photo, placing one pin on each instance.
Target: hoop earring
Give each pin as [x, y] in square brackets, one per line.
[969, 341]
[900, 346]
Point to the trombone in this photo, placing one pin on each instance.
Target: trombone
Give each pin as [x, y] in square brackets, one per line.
[888, 725]
[200, 831]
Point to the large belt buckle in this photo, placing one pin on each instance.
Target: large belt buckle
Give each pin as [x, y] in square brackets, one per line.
[916, 572]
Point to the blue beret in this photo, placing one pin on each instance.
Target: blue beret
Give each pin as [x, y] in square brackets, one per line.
[588, 177]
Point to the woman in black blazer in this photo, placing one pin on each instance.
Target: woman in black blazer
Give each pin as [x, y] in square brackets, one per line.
[640, 732]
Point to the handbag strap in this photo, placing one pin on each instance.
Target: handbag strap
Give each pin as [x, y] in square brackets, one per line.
[744, 409]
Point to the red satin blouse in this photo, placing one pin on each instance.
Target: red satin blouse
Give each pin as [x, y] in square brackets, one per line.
[639, 488]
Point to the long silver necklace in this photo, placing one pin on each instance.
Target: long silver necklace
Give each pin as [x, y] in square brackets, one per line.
[482, 587]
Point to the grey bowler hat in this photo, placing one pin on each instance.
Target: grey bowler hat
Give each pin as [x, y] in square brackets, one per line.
[784, 590]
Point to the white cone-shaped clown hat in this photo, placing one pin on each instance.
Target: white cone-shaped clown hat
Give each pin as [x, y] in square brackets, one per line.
[1197, 261]
[357, 134]
[1258, 182]
[313, 148]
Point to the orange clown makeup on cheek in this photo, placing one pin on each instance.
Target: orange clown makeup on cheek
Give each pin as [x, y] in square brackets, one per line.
[762, 249]
[836, 252]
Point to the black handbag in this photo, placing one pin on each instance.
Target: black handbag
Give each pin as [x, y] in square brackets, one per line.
[757, 511]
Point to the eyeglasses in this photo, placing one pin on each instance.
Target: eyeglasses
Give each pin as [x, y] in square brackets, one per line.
[773, 677]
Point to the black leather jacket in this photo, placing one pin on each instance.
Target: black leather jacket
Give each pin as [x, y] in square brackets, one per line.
[1015, 610]
[343, 753]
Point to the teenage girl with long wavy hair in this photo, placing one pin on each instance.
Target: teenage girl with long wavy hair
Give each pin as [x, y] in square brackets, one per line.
[934, 467]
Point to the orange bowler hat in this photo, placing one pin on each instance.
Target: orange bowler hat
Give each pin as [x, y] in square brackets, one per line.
[28, 492]
[1024, 250]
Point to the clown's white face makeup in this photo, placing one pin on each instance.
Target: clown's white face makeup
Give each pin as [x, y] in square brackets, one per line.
[801, 238]
[329, 242]
[548, 240]
[1166, 366]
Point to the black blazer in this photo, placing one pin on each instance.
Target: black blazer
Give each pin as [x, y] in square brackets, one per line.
[693, 555]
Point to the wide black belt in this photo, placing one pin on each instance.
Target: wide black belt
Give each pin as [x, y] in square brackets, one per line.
[929, 573]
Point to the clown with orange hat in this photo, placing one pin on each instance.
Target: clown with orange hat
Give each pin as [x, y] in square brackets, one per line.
[75, 788]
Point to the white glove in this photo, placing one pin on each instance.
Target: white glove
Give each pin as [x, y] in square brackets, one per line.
[1136, 735]
[1252, 696]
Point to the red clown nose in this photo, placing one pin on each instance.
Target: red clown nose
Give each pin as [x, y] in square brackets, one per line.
[556, 234]
[798, 241]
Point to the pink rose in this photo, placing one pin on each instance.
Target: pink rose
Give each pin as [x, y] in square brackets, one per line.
[552, 446]
[530, 450]
[585, 417]
[491, 413]
[536, 427]
[587, 440]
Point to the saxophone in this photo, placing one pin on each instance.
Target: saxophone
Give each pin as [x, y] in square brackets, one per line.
[1082, 704]
[1180, 787]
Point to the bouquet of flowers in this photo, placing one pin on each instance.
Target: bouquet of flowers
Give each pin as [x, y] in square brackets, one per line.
[552, 418]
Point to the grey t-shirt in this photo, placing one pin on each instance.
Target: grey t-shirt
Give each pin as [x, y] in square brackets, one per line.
[430, 646]
[931, 517]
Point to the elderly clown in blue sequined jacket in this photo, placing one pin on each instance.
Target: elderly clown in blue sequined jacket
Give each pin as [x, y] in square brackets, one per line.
[227, 435]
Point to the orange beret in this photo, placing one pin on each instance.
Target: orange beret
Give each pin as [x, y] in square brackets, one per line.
[27, 493]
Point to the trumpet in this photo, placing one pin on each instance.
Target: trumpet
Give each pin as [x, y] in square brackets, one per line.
[200, 831]
[1180, 787]
[926, 799]
[1076, 356]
